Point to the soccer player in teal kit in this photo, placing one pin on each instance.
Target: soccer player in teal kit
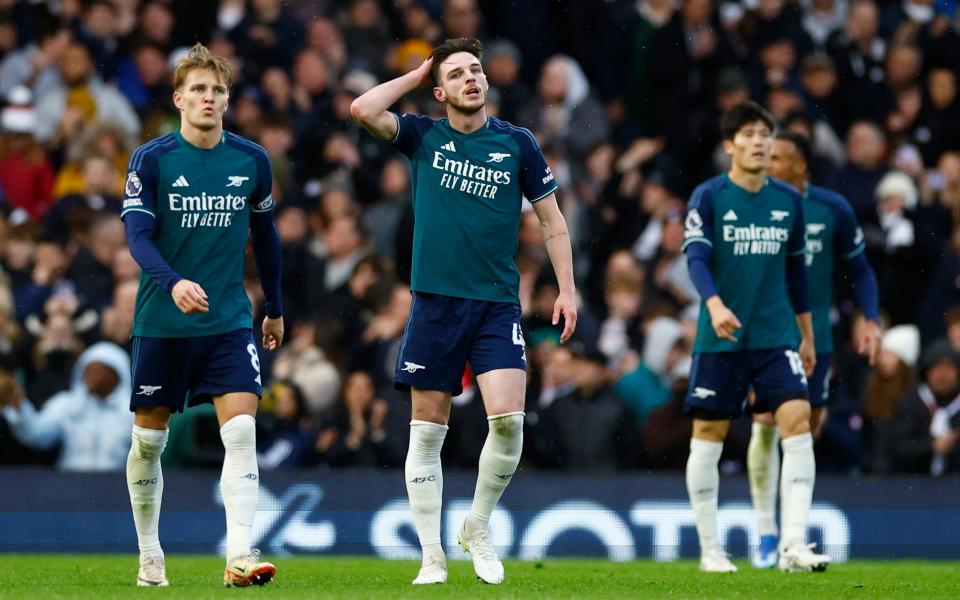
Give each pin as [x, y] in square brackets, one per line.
[833, 238]
[190, 199]
[745, 246]
[470, 173]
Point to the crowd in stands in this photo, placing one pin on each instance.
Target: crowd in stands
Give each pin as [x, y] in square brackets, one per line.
[624, 97]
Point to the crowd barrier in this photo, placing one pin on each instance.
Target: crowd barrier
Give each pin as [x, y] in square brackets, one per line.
[621, 517]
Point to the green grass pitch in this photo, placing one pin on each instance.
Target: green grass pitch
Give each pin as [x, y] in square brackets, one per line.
[35, 577]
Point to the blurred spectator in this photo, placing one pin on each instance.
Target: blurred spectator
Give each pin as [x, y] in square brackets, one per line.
[35, 64]
[71, 217]
[306, 365]
[564, 113]
[26, 175]
[501, 63]
[356, 434]
[116, 322]
[921, 435]
[886, 386]
[648, 386]
[92, 420]
[268, 35]
[285, 439]
[79, 98]
[866, 146]
[611, 440]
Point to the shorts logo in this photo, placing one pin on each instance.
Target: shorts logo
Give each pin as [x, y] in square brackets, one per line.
[236, 180]
[410, 367]
[148, 390]
[703, 393]
[778, 215]
[133, 186]
[497, 157]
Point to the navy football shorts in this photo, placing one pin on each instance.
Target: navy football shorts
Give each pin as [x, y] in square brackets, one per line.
[188, 371]
[443, 333]
[819, 383]
[719, 382]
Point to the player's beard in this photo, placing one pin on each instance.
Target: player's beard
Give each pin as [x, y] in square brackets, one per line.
[464, 108]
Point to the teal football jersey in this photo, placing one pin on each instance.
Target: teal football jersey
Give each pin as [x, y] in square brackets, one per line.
[467, 194]
[201, 200]
[833, 234]
[751, 235]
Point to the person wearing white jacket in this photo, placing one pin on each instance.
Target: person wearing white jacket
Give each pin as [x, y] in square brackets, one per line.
[91, 420]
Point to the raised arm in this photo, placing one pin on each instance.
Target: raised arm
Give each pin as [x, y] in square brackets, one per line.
[372, 108]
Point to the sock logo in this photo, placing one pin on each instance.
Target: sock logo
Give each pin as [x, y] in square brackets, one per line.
[703, 491]
[802, 481]
[146, 481]
[423, 479]
[504, 477]
[250, 476]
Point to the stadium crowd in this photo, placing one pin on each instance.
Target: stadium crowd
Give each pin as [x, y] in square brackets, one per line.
[624, 97]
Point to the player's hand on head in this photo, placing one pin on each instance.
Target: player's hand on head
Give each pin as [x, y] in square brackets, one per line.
[869, 343]
[190, 297]
[424, 72]
[565, 306]
[272, 333]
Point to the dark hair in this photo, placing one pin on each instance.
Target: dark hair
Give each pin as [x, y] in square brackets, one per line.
[742, 114]
[800, 142]
[451, 47]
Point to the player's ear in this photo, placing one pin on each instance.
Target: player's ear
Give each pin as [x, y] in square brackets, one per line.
[439, 95]
[177, 100]
[728, 147]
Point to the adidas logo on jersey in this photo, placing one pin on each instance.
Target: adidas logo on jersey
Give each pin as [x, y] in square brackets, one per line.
[181, 182]
[730, 216]
[449, 146]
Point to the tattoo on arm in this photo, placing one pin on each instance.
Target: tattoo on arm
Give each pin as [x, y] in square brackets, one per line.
[553, 235]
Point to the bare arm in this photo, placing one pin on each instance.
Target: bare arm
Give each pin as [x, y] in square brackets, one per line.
[808, 352]
[371, 109]
[557, 239]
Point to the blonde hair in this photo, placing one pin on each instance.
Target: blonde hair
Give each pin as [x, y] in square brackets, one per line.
[200, 57]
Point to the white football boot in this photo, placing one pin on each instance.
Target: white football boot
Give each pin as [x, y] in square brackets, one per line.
[432, 570]
[716, 561]
[153, 571]
[800, 558]
[486, 564]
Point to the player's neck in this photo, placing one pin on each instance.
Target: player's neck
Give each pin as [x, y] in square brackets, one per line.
[800, 185]
[752, 182]
[201, 138]
[466, 123]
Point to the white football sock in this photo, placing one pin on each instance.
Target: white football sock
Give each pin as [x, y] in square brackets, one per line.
[239, 482]
[145, 483]
[703, 485]
[498, 461]
[763, 469]
[796, 488]
[424, 477]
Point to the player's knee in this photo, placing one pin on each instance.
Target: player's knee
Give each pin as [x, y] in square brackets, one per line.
[144, 448]
[239, 433]
[508, 425]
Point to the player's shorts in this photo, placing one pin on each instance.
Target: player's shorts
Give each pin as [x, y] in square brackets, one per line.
[819, 384]
[189, 371]
[444, 332]
[719, 382]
